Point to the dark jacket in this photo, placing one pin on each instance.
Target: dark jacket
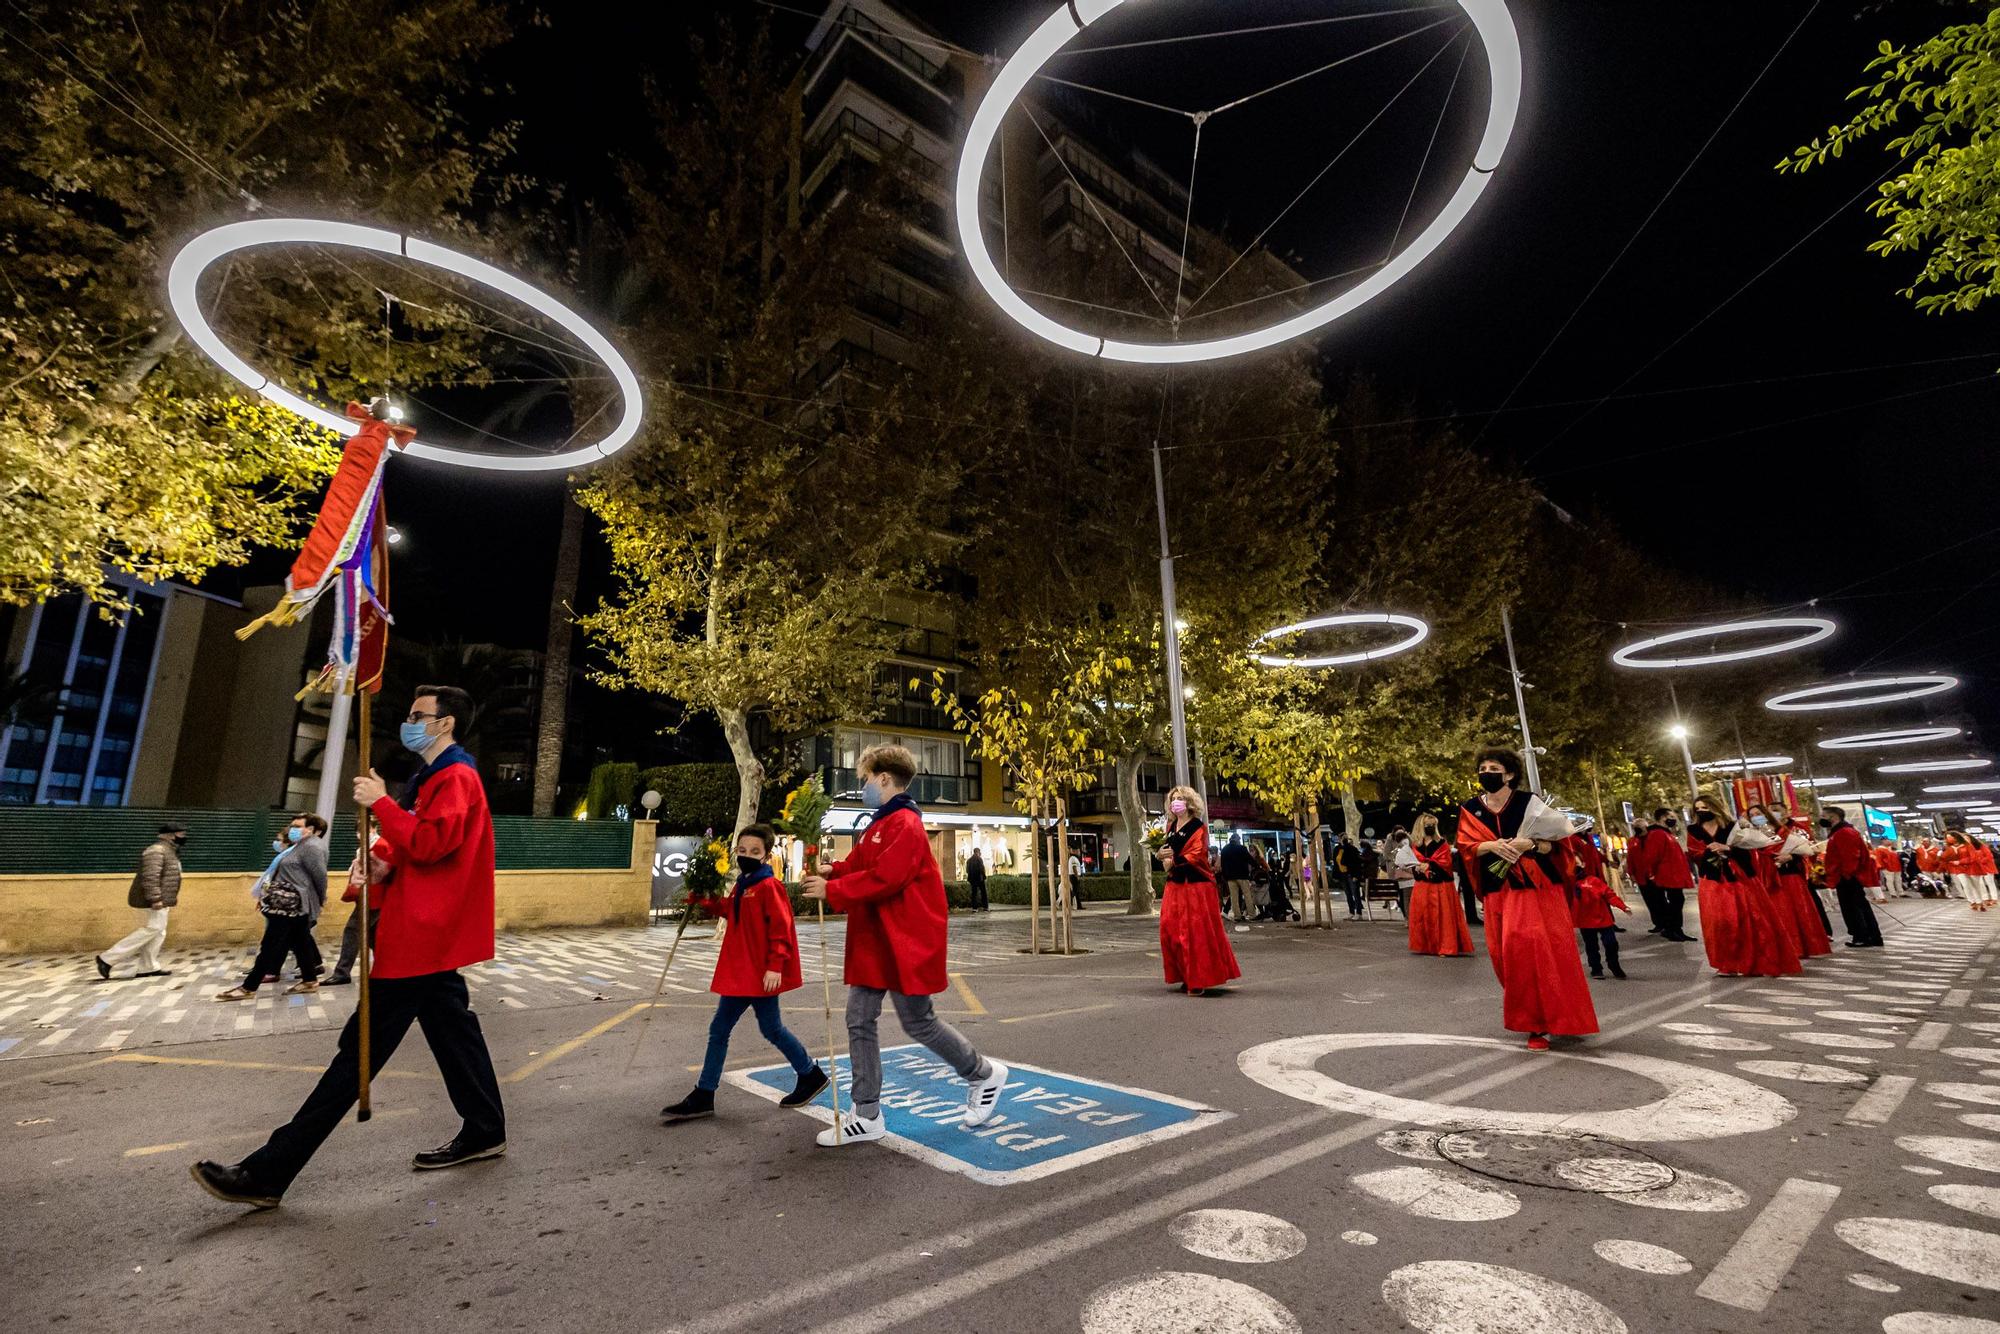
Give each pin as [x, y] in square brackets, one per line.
[158, 883]
[1235, 862]
[975, 871]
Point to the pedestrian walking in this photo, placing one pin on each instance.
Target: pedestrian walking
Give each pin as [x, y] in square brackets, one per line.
[1635, 869]
[1888, 870]
[975, 881]
[1346, 874]
[1522, 884]
[1402, 861]
[156, 888]
[1236, 880]
[1437, 925]
[1591, 910]
[381, 872]
[289, 894]
[1740, 930]
[1768, 823]
[1845, 857]
[893, 895]
[1194, 948]
[438, 920]
[1670, 871]
[758, 962]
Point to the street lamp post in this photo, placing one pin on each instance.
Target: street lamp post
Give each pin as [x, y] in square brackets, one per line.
[1680, 733]
[1170, 627]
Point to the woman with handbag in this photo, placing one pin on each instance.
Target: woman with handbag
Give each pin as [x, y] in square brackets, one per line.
[290, 894]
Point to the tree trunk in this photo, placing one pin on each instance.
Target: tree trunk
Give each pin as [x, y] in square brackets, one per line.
[1321, 896]
[1350, 809]
[749, 769]
[126, 387]
[1134, 815]
[1068, 885]
[552, 720]
[1035, 880]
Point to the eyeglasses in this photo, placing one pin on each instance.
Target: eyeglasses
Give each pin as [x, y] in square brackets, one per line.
[416, 717]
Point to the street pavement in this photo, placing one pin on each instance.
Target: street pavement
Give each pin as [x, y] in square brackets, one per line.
[1346, 1140]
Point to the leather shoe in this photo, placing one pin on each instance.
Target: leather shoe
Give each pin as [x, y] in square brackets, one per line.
[459, 1151]
[231, 1184]
[103, 968]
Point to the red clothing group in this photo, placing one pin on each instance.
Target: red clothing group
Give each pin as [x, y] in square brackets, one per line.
[760, 938]
[1529, 933]
[893, 895]
[440, 914]
[1437, 919]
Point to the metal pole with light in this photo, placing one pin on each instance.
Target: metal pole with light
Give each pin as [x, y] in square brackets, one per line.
[1170, 627]
[1520, 705]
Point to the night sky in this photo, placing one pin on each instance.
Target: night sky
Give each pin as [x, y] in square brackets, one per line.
[1814, 437]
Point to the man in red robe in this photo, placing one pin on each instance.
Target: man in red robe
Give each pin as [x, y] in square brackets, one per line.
[1848, 868]
[438, 920]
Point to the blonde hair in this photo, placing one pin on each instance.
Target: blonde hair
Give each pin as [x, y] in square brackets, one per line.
[1427, 828]
[895, 761]
[1196, 806]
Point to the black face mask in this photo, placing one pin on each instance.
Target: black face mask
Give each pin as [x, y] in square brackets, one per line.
[1491, 782]
[748, 864]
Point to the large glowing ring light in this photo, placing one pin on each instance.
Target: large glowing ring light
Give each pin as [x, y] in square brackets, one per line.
[1932, 766]
[1419, 631]
[1984, 785]
[1747, 764]
[1901, 736]
[1861, 796]
[1503, 57]
[1816, 783]
[197, 255]
[1953, 805]
[1811, 698]
[1815, 629]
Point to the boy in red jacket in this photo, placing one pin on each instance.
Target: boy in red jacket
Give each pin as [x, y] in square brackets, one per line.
[438, 920]
[890, 888]
[1590, 909]
[758, 960]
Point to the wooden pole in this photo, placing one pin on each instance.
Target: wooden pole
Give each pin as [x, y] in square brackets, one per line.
[1321, 887]
[1068, 885]
[1035, 881]
[364, 834]
[660, 987]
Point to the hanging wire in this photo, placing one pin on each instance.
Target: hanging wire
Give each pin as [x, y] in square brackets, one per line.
[1091, 200]
[1244, 32]
[1187, 220]
[1332, 64]
[1424, 164]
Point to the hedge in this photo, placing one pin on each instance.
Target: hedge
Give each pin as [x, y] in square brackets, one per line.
[611, 785]
[1012, 890]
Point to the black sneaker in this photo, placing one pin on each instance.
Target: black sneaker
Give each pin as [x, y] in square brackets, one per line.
[336, 980]
[456, 1153]
[693, 1107]
[809, 1086]
[156, 972]
[1597, 973]
[1618, 972]
[232, 1185]
[103, 968]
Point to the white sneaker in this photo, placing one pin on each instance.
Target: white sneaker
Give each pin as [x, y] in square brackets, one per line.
[1242, 929]
[982, 1096]
[853, 1130]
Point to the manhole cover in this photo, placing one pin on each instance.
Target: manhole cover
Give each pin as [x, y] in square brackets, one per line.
[1556, 1161]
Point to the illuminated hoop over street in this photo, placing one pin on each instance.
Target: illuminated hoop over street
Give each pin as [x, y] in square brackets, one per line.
[1419, 631]
[1954, 805]
[1811, 699]
[1984, 785]
[1814, 628]
[1900, 736]
[1933, 766]
[197, 255]
[1750, 764]
[1503, 57]
[1839, 797]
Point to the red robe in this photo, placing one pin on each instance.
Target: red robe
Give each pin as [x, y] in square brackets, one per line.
[1847, 856]
[893, 894]
[760, 938]
[440, 915]
[1740, 929]
[1528, 930]
[1437, 918]
[1795, 896]
[1781, 907]
[1194, 944]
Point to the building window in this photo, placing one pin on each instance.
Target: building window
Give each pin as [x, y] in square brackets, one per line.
[942, 772]
[79, 746]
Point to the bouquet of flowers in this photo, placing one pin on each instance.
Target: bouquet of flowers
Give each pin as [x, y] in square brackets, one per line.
[1543, 823]
[706, 877]
[804, 817]
[1747, 837]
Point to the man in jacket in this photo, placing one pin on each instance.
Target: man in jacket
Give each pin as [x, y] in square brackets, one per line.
[1236, 877]
[1635, 870]
[1848, 867]
[1668, 872]
[975, 880]
[155, 890]
[438, 920]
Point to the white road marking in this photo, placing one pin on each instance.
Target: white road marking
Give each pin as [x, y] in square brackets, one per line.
[1875, 1106]
[1803, 1071]
[1184, 1303]
[1955, 999]
[1850, 1040]
[1986, 1093]
[1642, 1256]
[1239, 1235]
[1358, 1238]
[1980, 1154]
[1691, 1193]
[1929, 1037]
[1935, 1250]
[1751, 1273]
[1873, 1284]
[1425, 1192]
[1927, 1322]
[1460, 1297]
[1982, 1200]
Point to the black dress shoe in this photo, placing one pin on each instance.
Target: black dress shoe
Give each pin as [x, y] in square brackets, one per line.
[693, 1107]
[336, 980]
[103, 968]
[460, 1150]
[809, 1085]
[233, 1185]
[156, 972]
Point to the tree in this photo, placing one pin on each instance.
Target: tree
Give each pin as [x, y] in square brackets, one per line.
[789, 497]
[132, 127]
[1944, 203]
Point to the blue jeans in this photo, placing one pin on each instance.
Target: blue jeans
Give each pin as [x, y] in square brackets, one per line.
[728, 1009]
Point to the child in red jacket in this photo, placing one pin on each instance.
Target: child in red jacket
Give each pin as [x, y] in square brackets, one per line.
[890, 888]
[1591, 911]
[758, 960]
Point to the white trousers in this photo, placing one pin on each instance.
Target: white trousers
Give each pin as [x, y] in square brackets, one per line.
[1964, 887]
[142, 947]
[1892, 884]
[1981, 889]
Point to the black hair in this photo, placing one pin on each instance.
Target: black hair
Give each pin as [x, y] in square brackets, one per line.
[761, 831]
[1662, 813]
[313, 822]
[1506, 759]
[454, 704]
[171, 828]
[1835, 811]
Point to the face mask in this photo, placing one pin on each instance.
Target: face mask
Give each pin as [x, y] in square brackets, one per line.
[1177, 807]
[277, 845]
[748, 864]
[180, 840]
[1759, 821]
[1491, 781]
[871, 795]
[294, 834]
[417, 737]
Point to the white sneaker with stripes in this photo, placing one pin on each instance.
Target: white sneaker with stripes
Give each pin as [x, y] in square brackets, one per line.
[853, 1130]
[982, 1096]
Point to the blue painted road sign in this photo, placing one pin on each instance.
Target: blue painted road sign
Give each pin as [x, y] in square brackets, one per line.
[1047, 1122]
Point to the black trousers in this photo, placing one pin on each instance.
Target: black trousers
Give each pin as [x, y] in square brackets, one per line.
[435, 1002]
[350, 939]
[1593, 936]
[282, 936]
[1857, 916]
[978, 888]
[1656, 906]
[1673, 911]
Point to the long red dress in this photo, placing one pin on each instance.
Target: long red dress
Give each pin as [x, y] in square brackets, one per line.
[1194, 944]
[1781, 909]
[1796, 897]
[1437, 918]
[1529, 936]
[1740, 927]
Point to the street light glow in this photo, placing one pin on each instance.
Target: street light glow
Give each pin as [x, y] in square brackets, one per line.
[1677, 732]
[1984, 785]
[1503, 57]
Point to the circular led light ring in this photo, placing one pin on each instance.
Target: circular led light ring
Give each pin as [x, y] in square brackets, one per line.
[1749, 764]
[1815, 629]
[1859, 796]
[197, 255]
[1793, 701]
[1817, 783]
[1419, 629]
[1932, 766]
[1985, 785]
[1899, 736]
[1503, 57]
[1965, 805]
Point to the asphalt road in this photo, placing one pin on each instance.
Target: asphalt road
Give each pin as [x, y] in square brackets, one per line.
[1345, 1141]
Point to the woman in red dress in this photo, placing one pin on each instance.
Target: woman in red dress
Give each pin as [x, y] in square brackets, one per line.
[1194, 944]
[1739, 921]
[1437, 919]
[1762, 819]
[1795, 896]
[1529, 936]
